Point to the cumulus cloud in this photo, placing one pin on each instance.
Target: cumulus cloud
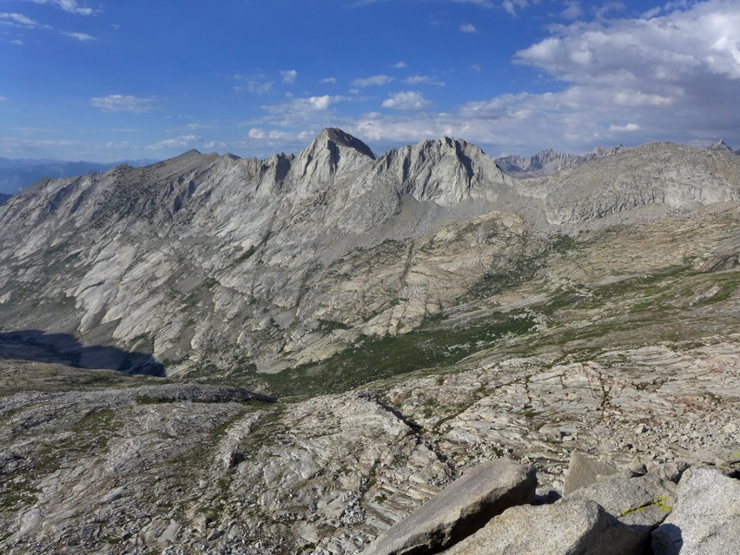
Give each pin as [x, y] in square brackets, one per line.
[628, 128]
[256, 83]
[513, 6]
[406, 100]
[218, 145]
[82, 37]
[69, 6]
[668, 77]
[288, 75]
[423, 80]
[19, 20]
[271, 135]
[468, 28]
[572, 10]
[124, 103]
[175, 142]
[398, 65]
[329, 80]
[301, 110]
[373, 80]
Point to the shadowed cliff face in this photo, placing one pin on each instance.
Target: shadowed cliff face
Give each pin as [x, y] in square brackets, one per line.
[213, 262]
[60, 348]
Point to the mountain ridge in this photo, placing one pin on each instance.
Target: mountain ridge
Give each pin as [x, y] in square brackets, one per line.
[203, 250]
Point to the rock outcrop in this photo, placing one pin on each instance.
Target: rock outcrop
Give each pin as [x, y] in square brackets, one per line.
[570, 527]
[599, 519]
[705, 517]
[460, 509]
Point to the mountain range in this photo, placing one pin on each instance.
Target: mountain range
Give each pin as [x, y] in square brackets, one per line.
[18, 173]
[210, 261]
[292, 354]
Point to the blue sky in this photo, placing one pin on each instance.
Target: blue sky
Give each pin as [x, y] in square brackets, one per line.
[102, 80]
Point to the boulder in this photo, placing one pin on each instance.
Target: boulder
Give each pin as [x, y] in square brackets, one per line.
[460, 509]
[706, 519]
[584, 471]
[643, 501]
[573, 526]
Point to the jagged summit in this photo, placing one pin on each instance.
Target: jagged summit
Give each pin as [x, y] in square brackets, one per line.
[331, 152]
[188, 154]
[343, 139]
[720, 145]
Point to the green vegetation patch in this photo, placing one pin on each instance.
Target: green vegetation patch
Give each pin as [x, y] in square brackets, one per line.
[378, 358]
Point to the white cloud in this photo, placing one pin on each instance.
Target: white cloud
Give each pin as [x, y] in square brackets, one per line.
[628, 128]
[256, 83]
[674, 77]
[300, 111]
[406, 100]
[481, 3]
[124, 103]
[19, 20]
[197, 126]
[272, 135]
[512, 6]
[218, 145]
[82, 37]
[176, 142]
[329, 80]
[476, 68]
[3, 98]
[288, 75]
[573, 10]
[69, 6]
[373, 80]
[424, 80]
[398, 65]
[468, 28]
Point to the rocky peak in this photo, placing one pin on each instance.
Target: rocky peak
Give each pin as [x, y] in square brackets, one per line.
[445, 171]
[720, 145]
[332, 151]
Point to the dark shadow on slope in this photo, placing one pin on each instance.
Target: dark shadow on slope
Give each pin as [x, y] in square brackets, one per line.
[62, 348]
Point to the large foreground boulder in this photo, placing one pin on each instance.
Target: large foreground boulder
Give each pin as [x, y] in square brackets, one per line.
[642, 502]
[706, 519]
[573, 526]
[460, 509]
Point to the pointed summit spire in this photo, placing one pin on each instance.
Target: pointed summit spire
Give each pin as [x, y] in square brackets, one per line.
[333, 135]
[720, 145]
[332, 151]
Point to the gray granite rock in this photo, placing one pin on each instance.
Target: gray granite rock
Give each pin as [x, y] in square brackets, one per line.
[573, 526]
[642, 501]
[460, 509]
[584, 471]
[706, 519]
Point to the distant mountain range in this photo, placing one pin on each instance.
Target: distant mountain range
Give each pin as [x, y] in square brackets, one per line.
[548, 162]
[16, 174]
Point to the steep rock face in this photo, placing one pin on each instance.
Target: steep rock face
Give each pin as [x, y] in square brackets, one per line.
[215, 262]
